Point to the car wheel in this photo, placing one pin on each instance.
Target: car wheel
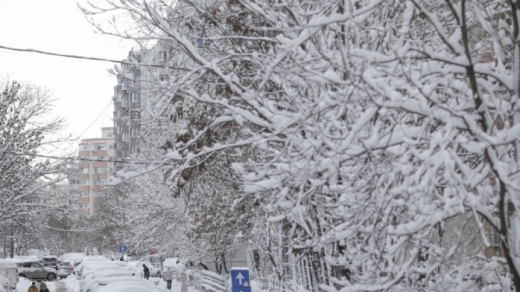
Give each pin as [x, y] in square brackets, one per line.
[22, 275]
[51, 277]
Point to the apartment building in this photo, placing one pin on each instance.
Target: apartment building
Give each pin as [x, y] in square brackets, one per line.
[127, 106]
[134, 94]
[86, 189]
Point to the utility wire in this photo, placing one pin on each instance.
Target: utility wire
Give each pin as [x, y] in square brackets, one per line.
[104, 110]
[73, 158]
[86, 58]
[80, 135]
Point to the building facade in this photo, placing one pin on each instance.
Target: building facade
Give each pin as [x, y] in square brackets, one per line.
[87, 187]
[127, 106]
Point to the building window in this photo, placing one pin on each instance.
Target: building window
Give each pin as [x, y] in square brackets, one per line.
[119, 129]
[73, 192]
[164, 77]
[83, 182]
[125, 136]
[134, 132]
[111, 147]
[83, 205]
[83, 147]
[84, 194]
[110, 135]
[134, 114]
[495, 238]
[99, 157]
[125, 101]
[135, 97]
[85, 170]
[99, 182]
[97, 204]
[162, 56]
[203, 42]
[74, 181]
[99, 170]
[99, 146]
[99, 194]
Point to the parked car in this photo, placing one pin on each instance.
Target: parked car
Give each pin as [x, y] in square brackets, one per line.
[91, 279]
[87, 268]
[65, 269]
[78, 265]
[154, 271]
[8, 275]
[49, 261]
[127, 284]
[34, 270]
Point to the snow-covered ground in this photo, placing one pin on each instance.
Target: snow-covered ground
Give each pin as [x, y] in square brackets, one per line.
[23, 285]
[73, 285]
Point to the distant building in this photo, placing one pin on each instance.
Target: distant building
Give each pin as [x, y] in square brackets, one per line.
[127, 107]
[86, 189]
[138, 89]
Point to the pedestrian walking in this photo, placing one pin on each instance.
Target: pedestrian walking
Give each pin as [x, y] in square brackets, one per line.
[146, 272]
[168, 277]
[33, 288]
[184, 287]
[43, 288]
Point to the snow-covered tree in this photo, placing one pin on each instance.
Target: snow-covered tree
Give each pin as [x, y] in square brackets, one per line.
[25, 129]
[371, 124]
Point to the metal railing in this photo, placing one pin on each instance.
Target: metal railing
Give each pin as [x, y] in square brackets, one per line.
[213, 282]
[275, 285]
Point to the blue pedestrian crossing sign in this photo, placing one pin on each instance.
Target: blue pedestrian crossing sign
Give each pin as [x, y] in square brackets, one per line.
[240, 280]
[122, 248]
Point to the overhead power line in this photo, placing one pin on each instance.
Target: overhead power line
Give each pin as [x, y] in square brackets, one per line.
[85, 159]
[64, 157]
[69, 158]
[85, 57]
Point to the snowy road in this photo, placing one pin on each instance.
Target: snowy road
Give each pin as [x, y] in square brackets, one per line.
[60, 287]
[54, 286]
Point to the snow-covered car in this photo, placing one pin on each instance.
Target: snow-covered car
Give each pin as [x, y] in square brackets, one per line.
[65, 269]
[5, 285]
[176, 265]
[75, 258]
[49, 261]
[93, 278]
[129, 285]
[87, 260]
[9, 272]
[154, 271]
[34, 270]
[87, 269]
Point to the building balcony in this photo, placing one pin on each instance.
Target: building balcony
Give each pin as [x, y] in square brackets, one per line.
[83, 200]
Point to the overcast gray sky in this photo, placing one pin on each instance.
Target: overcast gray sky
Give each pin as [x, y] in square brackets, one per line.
[83, 88]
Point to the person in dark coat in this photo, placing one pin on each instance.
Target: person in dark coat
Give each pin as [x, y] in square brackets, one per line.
[146, 272]
[43, 288]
